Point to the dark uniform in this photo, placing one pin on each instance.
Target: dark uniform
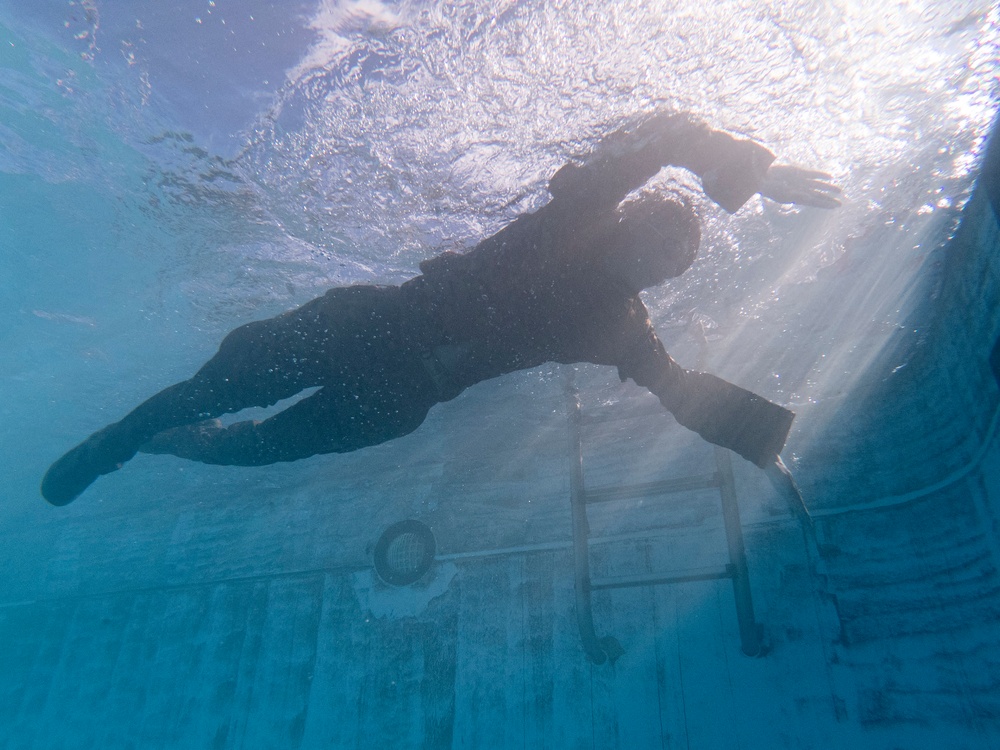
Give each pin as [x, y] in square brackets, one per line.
[538, 291]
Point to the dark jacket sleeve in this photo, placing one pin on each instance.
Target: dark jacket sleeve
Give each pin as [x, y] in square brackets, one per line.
[730, 416]
[730, 168]
[722, 413]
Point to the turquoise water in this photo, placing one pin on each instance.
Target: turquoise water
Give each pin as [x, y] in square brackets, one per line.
[171, 171]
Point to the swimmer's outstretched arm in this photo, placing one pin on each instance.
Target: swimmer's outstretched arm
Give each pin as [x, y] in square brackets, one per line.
[732, 169]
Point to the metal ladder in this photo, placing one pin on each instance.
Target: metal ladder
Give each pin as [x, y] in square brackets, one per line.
[607, 648]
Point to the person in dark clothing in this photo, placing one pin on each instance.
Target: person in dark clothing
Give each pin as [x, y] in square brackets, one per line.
[560, 284]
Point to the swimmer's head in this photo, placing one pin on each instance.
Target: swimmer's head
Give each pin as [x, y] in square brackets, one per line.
[656, 238]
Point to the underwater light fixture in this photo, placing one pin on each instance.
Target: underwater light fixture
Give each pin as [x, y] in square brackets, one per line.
[404, 552]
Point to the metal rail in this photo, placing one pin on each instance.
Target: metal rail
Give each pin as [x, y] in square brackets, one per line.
[599, 650]
[607, 648]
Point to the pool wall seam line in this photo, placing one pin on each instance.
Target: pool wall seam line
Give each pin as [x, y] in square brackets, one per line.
[891, 501]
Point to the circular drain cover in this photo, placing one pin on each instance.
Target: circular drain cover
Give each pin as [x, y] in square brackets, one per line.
[404, 552]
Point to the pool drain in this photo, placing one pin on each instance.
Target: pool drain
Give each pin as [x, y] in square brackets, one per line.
[404, 552]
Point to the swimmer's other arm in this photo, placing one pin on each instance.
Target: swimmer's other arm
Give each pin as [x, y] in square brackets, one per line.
[721, 412]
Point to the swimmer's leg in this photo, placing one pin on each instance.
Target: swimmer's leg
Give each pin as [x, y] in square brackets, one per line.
[326, 422]
[255, 366]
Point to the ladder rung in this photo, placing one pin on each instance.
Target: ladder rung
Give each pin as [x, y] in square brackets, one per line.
[694, 574]
[650, 489]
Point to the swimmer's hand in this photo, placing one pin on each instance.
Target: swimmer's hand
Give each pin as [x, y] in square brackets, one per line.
[786, 183]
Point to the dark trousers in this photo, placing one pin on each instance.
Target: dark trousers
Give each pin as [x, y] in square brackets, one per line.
[351, 343]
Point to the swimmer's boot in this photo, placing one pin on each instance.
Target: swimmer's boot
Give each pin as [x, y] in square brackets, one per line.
[102, 453]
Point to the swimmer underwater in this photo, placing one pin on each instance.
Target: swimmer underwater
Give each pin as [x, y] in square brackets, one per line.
[560, 284]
